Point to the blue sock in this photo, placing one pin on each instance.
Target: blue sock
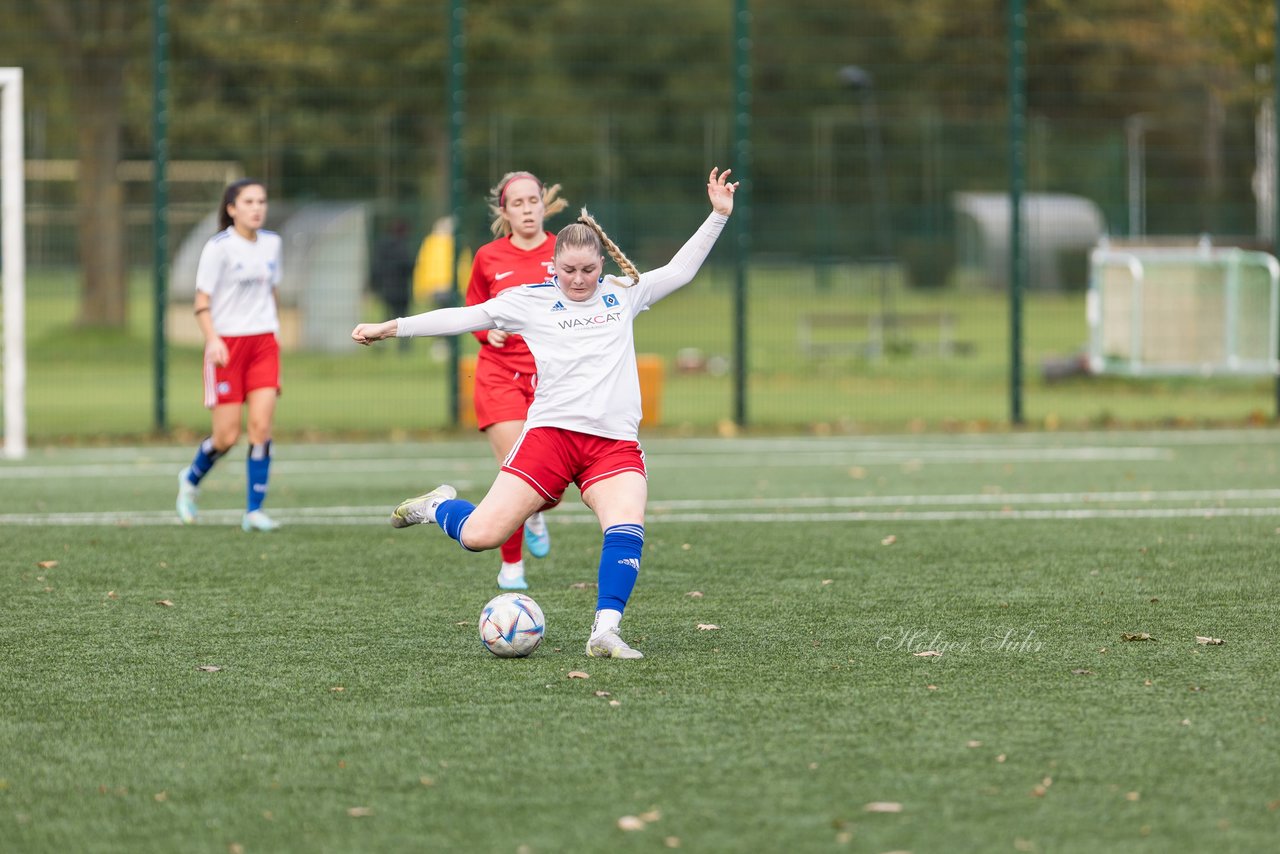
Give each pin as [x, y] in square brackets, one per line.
[451, 515]
[206, 456]
[619, 565]
[259, 469]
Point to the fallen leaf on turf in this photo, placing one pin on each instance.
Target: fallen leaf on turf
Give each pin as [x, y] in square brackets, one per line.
[426, 781]
[578, 674]
[602, 693]
[161, 797]
[208, 668]
[235, 848]
[883, 806]
[1209, 641]
[931, 687]
[928, 653]
[1081, 671]
[1001, 758]
[47, 564]
[973, 744]
[1132, 796]
[582, 585]
[707, 627]
[614, 703]
[694, 594]
[827, 581]
[111, 594]
[630, 822]
[337, 689]
[168, 603]
[360, 812]
[463, 623]
[889, 540]
[1038, 791]
[1136, 636]
[651, 816]
[672, 842]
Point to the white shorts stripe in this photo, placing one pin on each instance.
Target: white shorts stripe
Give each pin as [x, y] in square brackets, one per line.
[210, 384]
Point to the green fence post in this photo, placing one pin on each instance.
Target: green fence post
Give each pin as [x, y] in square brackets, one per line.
[457, 177]
[160, 201]
[742, 204]
[1017, 179]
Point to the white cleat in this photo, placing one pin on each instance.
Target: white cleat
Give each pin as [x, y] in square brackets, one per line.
[257, 520]
[188, 492]
[511, 577]
[610, 645]
[421, 510]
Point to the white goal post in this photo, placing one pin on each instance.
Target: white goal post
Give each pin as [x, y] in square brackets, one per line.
[1183, 311]
[13, 260]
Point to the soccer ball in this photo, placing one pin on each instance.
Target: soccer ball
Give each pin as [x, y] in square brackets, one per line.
[511, 625]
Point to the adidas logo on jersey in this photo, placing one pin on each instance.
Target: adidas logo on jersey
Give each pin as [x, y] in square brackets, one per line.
[559, 306]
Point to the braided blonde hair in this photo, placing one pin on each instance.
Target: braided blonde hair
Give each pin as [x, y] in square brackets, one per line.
[551, 201]
[586, 233]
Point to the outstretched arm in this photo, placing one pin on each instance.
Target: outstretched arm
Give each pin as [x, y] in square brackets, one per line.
[681, 269]
[442, 321]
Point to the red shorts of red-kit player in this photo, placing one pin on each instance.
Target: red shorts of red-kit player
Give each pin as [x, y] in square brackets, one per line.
[501, 394]
[549, 459]
[253, 362]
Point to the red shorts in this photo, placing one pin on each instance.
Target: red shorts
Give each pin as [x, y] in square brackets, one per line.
[549, 459]
[501, 394]
[253, 362]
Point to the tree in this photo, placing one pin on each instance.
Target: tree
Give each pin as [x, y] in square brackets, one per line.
[96, 39]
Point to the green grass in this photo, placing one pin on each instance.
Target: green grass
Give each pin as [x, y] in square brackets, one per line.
[771, 733]
[85, 385]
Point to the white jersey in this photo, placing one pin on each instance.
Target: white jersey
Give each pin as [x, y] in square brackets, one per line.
[240, 276]
[585, 351]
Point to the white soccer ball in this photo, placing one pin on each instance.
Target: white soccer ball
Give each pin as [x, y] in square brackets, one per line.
[511, 625]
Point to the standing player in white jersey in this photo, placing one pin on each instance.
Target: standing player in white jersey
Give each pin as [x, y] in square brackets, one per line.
[506, 374]
[585, 417]
[237, 310]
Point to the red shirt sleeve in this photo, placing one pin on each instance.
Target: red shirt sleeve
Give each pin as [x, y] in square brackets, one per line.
[479, 288]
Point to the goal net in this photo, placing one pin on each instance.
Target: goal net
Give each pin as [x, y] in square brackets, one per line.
[1169, 311]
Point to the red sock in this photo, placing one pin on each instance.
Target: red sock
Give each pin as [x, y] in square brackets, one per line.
[513, 547]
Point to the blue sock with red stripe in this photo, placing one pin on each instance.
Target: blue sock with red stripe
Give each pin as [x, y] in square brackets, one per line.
[206, 456]
[259, 470]
[451, 515]
[619, 565]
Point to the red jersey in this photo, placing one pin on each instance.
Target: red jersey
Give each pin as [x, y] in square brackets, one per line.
[499, 265]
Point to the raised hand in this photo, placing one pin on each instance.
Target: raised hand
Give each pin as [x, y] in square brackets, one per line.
[720, 190]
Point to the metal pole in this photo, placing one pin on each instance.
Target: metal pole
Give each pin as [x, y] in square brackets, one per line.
[160, 201]
[742, 204]
[457, 178]
[1017, 181]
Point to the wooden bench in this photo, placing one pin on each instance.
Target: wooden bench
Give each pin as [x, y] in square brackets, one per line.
[874, 335]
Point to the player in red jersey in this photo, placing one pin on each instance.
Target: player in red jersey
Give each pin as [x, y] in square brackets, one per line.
[506, 375]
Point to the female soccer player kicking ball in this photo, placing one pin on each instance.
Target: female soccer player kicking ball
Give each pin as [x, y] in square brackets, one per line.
[582, 427]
